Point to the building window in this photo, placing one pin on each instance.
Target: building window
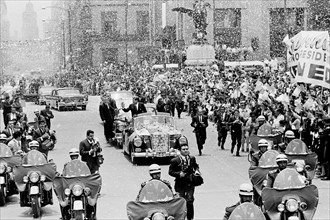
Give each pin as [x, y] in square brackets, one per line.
[110, 55]
[227, 26]
[279, 28]
[109, 22]
[142, 23]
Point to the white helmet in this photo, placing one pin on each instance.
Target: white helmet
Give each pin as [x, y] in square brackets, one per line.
[262, 143]
[3, 137]
[245, 189]
[154, 168]
[281, 157]
[289, 134]
[34, 144]
[74, 152]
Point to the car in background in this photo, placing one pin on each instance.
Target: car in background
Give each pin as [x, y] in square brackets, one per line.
[67, 99]
[43, 93]
[151, 135]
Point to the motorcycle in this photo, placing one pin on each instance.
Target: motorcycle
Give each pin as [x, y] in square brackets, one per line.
[156, 201]
[258, 174]
[7, 162]
[77, 191]
[290, 198]
[247, 211]
[34, 181]
[298, 151]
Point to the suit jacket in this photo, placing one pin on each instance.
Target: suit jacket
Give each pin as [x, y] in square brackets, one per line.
[108, 113]
[135, 111]
[222, 123]
[9, 116]
[47, 115]
[236, 127]
[84, 148]
[200, 126]
[177, 165]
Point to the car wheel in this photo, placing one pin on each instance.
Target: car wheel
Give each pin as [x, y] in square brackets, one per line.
[60, 108]
[83, 107]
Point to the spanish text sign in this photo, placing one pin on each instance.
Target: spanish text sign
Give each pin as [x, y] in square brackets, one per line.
[308, 57]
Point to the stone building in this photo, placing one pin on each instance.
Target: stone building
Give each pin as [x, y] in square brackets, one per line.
[30, 29]
[5, 35]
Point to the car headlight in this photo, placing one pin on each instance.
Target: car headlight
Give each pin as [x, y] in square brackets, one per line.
[158, 216]
[34, 177]
[138, 142]
[77, 190]
[291, 205]
[2, 168]
[67, 191]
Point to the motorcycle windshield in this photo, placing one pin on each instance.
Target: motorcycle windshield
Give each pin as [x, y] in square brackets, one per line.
[76, 168]
[289, 178]
[268, 159]
[155, 191]
[247, 211]
[296, 147]
[264, 130]
[34, 157]
[5, 151]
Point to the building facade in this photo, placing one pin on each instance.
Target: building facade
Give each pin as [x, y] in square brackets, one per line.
[5, 34]
[30, 29]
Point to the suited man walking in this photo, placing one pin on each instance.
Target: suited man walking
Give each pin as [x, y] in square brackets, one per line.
[47, 114]
[200, 123]
[107, 111]
[236, 131]
[182, 167]
[88, 149]
[222, 120]
[135, 108]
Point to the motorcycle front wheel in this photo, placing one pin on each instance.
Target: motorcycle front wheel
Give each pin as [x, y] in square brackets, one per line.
[2, 195]
[35, 205]
[79, 214]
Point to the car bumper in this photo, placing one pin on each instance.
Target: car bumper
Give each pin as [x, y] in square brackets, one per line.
[72, 104]
[154, 154]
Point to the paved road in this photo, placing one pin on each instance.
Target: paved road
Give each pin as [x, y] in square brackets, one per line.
[222, 172]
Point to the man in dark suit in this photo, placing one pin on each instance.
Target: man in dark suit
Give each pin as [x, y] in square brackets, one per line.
[182, 167]
[12, 116]
[221, 119]
[179, 104]
[200, 123]
[6, 106]
[89, 148]
[236, 131]
[47, 114]
[135, 108]
[108, 109]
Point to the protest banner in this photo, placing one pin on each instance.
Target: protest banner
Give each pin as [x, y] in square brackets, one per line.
[308, 57]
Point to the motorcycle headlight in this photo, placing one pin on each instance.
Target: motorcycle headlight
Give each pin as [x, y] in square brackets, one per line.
[291, 205]
[303, 205]
[87, 191]
[138, 142]
[2, 168]
[77, 190]
[158, 216]
[25, 179]
[34, 177]
[8, 169]
[42, 178]
[280, 207]
[67, 191]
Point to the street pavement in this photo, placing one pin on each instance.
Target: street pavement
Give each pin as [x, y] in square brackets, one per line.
[121, 180]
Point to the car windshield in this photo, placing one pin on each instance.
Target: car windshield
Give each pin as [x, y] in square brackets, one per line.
[268, 159]
[121, 95]
[69, 91]
[155, 191]
[289, 178]
[153, 120]
[46, 91]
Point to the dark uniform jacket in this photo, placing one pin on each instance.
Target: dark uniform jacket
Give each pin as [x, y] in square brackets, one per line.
[229, 210]
[177, 165]
[135, 111]
[271, 177]
[47, 115]
[200, 127]
[255, 158]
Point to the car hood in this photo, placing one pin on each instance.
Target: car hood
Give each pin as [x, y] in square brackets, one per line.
[152, 131]
[72, 96]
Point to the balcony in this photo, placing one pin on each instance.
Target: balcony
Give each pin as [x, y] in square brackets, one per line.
[117, 36]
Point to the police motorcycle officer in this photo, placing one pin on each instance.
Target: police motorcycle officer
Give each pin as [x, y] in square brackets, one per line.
[77, 189]
[288, 137]
[155, 173]
[245, 195]
[34, 180]
[282, 162]
[263, 147]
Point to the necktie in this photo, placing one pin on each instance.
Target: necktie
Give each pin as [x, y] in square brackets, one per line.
[187, 160]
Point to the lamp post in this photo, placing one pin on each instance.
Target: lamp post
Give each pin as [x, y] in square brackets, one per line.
[69, 29]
